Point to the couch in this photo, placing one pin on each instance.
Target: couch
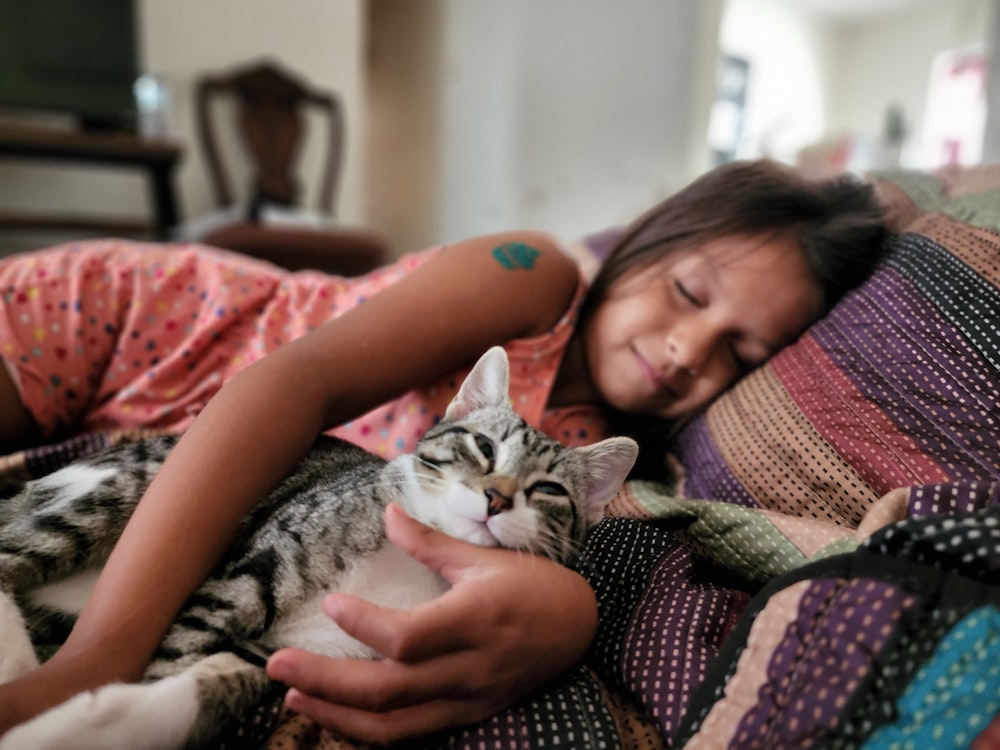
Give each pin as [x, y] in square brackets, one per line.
[822, 567]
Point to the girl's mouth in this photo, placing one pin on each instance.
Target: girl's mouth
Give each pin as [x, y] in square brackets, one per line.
[652, 376]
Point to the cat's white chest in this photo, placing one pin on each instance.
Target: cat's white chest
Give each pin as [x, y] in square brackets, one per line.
[389, 578]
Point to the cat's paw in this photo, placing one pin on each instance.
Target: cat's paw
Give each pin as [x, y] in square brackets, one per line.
[156, 716]
[17, 655]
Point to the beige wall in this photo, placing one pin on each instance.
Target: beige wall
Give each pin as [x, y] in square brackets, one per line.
[322, 39]
[404, 153]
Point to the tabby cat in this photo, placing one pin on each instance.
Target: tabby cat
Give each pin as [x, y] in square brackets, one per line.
[481, 474]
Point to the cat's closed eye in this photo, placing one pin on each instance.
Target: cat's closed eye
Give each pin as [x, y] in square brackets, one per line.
[548, 488]
[485, 446]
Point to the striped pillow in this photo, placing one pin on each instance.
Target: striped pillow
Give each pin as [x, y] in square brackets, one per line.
[899, 385]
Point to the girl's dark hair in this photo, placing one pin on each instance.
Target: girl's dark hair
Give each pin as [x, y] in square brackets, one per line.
[838, 224]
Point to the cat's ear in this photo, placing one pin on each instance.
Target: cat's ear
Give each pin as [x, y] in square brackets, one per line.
[488, 384]
[608, 464]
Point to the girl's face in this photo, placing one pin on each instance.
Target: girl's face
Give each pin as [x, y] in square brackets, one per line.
[670, 338]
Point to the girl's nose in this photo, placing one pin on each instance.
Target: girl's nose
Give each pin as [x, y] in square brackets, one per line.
[689, 347]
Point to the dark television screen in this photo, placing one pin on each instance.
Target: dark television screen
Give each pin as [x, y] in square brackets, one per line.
[77, 57]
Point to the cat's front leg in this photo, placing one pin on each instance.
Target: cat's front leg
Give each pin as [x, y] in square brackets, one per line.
[153, 716]
[185, 710]
[17, 655]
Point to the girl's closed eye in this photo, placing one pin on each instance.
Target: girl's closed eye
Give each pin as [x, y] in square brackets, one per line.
[685, 292]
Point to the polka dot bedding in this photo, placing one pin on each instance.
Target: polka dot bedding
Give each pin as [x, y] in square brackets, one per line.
[893, 646]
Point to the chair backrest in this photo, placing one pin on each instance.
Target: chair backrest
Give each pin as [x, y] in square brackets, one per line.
[270, 117]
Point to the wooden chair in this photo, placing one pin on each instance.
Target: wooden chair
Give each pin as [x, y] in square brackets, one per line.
[271, 107]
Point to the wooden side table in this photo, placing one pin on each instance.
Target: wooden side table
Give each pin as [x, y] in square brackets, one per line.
[157, 157]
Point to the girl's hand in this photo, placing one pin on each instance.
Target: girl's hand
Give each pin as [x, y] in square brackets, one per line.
[511, 622]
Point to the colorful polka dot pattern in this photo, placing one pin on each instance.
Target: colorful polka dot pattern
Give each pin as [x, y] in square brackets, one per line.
[114, 334]
[955, 695]
[823, 658]
[966, 540]
[551, 719]
[110, 335]
[912, 646]
[888, 643]
[899, 385]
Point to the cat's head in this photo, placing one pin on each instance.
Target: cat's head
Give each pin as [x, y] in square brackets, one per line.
[488, 477]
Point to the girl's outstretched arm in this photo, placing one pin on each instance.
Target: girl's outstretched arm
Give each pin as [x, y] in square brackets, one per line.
[444, 315]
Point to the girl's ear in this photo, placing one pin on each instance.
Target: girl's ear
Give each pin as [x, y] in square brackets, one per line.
[608, 464]
[488, 384]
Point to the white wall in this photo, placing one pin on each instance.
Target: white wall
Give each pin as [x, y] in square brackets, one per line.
[564, 115]
[481, 116]
[614, 102]
[816, 78]
[790, 55]
[888, 60]
[403, 116]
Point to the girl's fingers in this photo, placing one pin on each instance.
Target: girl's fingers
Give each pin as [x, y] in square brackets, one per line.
[377, 686]
[383, 701]
[464, 617]
[989, 738]
[455, 621]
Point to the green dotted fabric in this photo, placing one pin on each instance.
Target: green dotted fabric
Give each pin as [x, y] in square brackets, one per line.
[969, 196]
[755, 544]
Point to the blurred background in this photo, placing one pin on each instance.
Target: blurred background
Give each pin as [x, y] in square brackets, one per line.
[469, 116]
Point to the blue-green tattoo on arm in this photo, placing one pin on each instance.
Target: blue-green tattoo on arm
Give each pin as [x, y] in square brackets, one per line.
[515, 255]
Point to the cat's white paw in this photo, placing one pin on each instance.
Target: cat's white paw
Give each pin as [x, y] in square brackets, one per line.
[16, 653]
[157, 716]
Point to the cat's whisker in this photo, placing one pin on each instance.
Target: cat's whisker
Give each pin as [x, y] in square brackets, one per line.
[559, 547]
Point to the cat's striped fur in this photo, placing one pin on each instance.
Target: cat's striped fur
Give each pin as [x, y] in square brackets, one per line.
[482, 474]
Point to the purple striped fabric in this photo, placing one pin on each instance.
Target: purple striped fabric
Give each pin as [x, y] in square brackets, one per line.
[707, 473]
[923, 374]
[826, 654]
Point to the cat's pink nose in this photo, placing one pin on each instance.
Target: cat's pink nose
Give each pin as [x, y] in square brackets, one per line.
[497, 502]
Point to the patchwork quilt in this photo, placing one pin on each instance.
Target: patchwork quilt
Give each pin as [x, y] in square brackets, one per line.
[824, 570]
